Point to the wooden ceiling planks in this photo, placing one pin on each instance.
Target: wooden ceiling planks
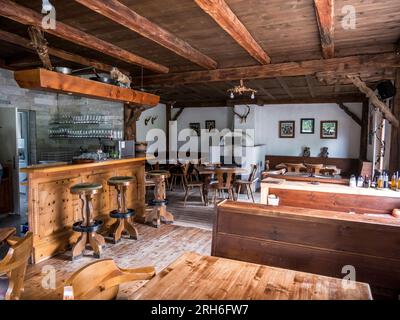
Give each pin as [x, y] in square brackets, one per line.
[21, 14]
[123, 15]
[288, 30]
[227, 20]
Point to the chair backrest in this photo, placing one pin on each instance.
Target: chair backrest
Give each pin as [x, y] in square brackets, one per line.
[14, 265]
[100, 280]
[224, 178]
[253, 172]
[185, 172]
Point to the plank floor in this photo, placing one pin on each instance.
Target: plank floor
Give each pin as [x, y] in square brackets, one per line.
[156, 247]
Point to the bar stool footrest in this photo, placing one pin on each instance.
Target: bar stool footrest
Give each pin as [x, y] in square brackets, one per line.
[78, 227]
[122, 215]
[153, 203]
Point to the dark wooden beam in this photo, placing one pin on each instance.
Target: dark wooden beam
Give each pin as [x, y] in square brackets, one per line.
[394, 162]
[26, 16]
[125, 16]
[284, 86]
[64, 55]
[310, 87]
[326, 23]
[350, 113]
[364, 131]
[224, 16]
[177, 115]
[290, 69]
[387, 113]
[267, 101]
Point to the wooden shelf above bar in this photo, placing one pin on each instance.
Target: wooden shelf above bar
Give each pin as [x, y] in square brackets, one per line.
[42, 79]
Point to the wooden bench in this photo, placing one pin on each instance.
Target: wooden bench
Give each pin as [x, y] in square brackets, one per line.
[314, 241]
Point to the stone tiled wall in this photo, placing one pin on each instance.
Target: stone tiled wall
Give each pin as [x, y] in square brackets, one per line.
[46, 106]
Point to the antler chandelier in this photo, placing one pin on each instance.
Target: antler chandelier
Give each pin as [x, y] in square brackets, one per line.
[241, 90]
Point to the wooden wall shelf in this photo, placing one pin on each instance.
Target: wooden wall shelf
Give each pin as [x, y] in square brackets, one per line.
[42, 79]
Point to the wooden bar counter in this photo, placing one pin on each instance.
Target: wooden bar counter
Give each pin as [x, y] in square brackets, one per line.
[331, 197]
[52, 209]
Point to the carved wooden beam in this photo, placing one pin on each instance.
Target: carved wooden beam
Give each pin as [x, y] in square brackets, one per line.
[350, 113]
[394, 162]
[223, 15]
[326, 23]
[26, 16]
[125, 16]
[290, 69]
[387, 113]
[177, 115]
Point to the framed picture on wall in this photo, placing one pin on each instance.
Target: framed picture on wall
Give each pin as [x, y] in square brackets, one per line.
[196, 127]
[286, 129]
[329, 129]
[210, 125]
[307, 126]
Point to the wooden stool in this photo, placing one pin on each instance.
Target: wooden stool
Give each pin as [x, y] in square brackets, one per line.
[122, 214]
[88, 226]
[159, 204]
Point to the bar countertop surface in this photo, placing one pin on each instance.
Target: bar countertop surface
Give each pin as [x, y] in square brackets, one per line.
[62, 166]
[326, 187]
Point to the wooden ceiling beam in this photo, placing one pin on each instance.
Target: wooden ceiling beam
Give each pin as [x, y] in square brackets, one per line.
[325, 12]
[125, 16]
[310, 87]
[263, 101]
[290, 69]
[64, 55]
[227, 20]
[351, 114]
[26, 16]
[373, 98]
[284, 86]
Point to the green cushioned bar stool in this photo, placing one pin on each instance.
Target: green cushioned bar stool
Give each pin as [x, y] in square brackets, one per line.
[122, 214]
[88, 227]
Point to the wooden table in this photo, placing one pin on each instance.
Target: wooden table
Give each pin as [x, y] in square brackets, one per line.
[196, 277]
[208, 171]
[5, 233]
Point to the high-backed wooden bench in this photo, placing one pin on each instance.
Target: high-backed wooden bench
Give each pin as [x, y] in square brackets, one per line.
[315, 241]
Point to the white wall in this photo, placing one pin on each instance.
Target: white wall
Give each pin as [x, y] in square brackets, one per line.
[267, 129]
[160, 123]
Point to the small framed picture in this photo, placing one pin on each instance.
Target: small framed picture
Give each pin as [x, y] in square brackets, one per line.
[307, 126]
[196, 127]
[210, 125]
[329, 129]
[286, 129]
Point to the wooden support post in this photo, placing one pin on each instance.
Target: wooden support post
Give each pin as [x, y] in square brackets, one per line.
[364, 131]
[167, 119]
[394, 162]
[387, 113]
[131, 115]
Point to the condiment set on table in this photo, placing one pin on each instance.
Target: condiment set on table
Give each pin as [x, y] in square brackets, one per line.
[381, 182]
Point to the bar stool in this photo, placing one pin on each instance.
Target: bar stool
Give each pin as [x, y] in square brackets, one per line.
[122, 214]
[88, 227]
[159, 203]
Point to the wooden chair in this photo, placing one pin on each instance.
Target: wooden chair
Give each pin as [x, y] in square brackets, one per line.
[189, 186]
[14, 265]
[224, 182]
[176, 173]
[100, 280]
[248, 184]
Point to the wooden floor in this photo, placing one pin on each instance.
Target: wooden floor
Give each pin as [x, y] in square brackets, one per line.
[157, 247]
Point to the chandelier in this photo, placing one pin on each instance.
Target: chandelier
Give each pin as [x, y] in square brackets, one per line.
[242, 89]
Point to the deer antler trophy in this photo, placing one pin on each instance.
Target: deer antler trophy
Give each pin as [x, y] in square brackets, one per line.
[243, 118]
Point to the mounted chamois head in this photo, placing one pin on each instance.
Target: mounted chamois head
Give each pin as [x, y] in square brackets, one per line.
[243, 118]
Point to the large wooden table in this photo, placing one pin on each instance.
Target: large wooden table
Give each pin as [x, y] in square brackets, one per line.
[196, 277]
[52, 209]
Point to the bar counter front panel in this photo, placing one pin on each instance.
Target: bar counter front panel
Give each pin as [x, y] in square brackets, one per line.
[52, 209]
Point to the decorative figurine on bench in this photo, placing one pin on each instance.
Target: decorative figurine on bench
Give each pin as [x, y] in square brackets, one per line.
[324, 153]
